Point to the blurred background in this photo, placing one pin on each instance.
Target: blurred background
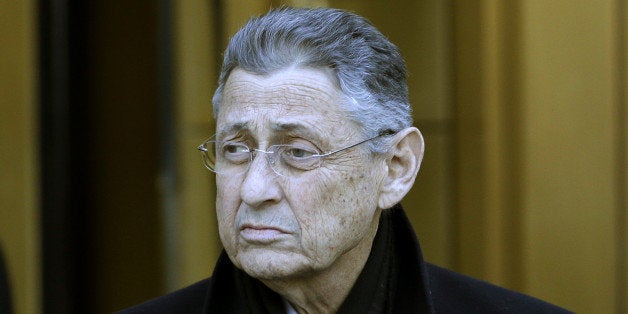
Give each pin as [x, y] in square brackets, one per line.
[104, 201]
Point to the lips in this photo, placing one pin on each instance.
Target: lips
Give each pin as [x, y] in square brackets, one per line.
[261, 233]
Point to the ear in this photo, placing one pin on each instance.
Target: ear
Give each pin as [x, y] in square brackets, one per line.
[403, 162]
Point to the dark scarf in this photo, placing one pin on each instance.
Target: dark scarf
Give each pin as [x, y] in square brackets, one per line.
[392, 281]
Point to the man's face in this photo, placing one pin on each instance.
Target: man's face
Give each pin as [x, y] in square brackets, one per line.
[276, 227]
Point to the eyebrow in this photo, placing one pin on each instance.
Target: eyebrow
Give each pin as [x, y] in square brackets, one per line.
[232, 128]
[303, 131]
[285, 127]
[276, 127]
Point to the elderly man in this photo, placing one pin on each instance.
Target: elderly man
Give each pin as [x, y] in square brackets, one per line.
[314, 149]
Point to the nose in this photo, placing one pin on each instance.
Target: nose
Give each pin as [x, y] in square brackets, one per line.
[260, 184]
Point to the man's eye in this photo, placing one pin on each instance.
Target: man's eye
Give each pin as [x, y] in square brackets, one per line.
[295, 152]
[229, 148]
[299, 158]
[235, 153]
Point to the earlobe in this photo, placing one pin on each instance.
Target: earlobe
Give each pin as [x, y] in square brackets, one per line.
[404, 162]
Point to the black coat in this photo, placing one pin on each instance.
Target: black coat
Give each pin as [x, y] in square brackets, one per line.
[395, 279]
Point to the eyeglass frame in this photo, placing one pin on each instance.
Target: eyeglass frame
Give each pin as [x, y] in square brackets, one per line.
[272, 152]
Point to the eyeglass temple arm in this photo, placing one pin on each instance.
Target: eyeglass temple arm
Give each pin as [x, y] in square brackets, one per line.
[383, 133]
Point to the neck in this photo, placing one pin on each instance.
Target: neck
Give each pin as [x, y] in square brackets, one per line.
[326, 291]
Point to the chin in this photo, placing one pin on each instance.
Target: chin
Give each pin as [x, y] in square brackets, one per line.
[273, 265]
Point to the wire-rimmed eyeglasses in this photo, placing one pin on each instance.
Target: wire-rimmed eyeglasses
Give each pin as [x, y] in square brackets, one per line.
[230, 157]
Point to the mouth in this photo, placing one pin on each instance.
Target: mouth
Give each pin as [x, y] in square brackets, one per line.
[261, 234]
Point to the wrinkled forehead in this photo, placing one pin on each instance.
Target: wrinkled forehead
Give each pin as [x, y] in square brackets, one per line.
[291, 98]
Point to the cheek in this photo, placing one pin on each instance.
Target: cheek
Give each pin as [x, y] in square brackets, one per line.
[227, 205]
[350, 193]
[227, 189]
[336, 212]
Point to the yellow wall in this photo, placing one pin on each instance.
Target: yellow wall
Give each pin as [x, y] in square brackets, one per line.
[195, 66]
[569, 111]
[542, 186]
[18, 152]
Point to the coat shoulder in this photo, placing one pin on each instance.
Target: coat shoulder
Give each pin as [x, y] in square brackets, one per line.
[452, 292]
[186, 300]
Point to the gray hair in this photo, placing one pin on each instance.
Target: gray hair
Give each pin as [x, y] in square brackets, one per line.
[369, 68]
